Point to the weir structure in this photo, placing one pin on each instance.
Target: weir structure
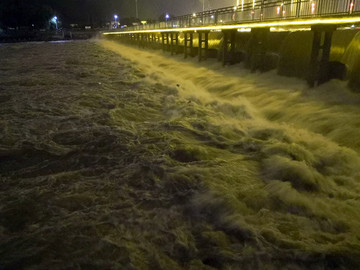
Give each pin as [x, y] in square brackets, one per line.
[258, 33]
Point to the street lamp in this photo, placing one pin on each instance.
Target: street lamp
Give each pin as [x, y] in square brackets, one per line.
[136, 9]
[116, 17]
[55, 20]
[167, 16]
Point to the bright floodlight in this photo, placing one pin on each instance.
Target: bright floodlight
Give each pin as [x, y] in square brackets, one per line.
[115, 17]
[167, 16]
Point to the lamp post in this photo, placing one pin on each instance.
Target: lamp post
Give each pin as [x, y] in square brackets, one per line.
[167, 16]
[116, 17]
[55, 21]
[136, 9]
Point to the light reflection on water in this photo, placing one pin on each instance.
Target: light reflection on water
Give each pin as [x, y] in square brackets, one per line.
[61, 41]
[37, 42]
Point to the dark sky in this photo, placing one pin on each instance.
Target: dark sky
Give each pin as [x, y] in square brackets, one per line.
[105, 9]
[153, 8]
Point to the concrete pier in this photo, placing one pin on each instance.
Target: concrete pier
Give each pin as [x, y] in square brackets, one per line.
[305, 54]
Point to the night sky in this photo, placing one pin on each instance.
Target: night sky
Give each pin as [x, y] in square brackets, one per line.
[104, 9]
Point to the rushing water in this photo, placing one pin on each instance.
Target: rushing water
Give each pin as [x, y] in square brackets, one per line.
[116, 158]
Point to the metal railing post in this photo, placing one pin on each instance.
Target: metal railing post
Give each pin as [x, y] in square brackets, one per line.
[298, 8]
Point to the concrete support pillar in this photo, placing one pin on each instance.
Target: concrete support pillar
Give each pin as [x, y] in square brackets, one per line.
[137, 39]
[156, 38]
[320, 54]
[228, 48]
[147, 39]
[151, 40]
[165, 41]
[188, 43]
[174, 37]
[257, 49]
[144, 40]
[141, 40]
[203, 45]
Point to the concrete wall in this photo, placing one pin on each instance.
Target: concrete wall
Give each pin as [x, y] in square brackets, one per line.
[340, 42]
[351, 58]
[295, 54]
[296, 50]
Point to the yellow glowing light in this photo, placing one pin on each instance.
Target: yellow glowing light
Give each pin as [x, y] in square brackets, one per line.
[312, 8]
[351, 7]
[248, 25]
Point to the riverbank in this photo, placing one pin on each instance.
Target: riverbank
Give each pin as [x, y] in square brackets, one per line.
[15, 36]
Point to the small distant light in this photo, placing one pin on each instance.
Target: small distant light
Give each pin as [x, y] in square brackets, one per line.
[194, 14]
[116, 16]
[167, 16]
[212, 16]
[235, 8]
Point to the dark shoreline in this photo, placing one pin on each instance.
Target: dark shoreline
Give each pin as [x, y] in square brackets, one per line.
[35, 36]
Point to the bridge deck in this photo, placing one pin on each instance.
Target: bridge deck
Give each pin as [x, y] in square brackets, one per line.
[260, 13]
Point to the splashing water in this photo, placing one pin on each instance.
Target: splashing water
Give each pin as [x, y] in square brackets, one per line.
[115, 157]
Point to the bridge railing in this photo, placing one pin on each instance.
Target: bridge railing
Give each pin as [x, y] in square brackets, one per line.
[259, 10]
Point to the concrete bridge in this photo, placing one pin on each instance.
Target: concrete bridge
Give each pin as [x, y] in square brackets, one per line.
[313, 39]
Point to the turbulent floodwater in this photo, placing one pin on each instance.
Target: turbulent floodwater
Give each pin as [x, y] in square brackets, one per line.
[116, 158]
